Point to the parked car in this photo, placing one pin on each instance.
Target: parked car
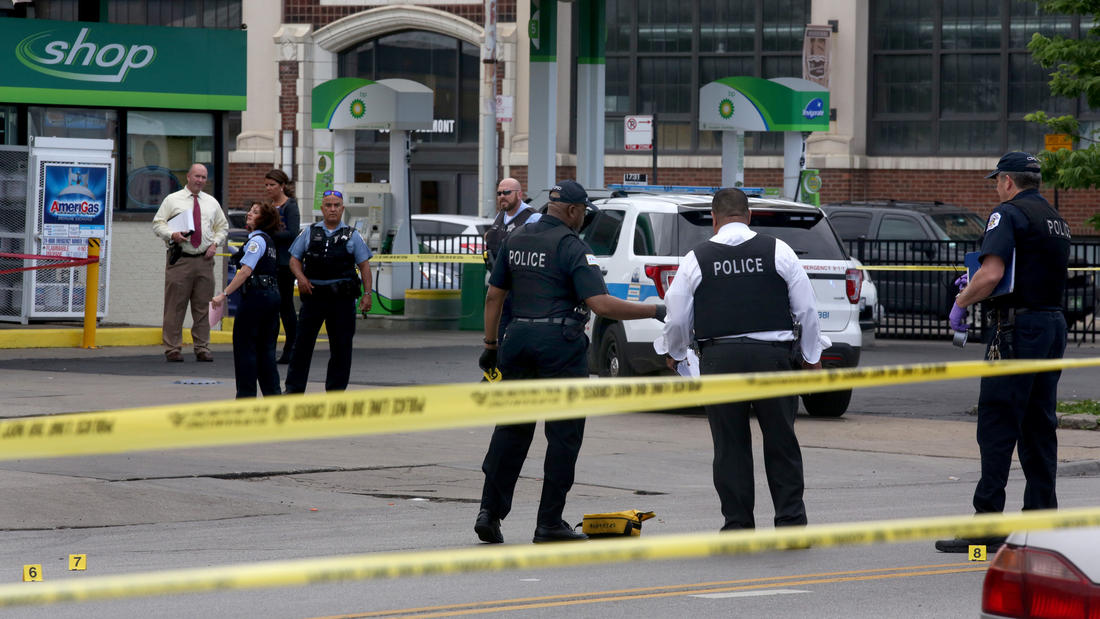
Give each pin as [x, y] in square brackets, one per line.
[1052, 573]
[639, 240]
[912, 232]
[448, 234]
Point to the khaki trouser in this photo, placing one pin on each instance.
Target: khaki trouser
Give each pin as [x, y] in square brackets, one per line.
[189, 280]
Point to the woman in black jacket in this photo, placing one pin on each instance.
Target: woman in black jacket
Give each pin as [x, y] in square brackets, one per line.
[256, 325]
[280, 192]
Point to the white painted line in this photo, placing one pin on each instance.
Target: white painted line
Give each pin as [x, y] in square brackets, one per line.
[748, 594]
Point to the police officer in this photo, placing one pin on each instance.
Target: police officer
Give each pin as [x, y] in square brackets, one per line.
[1017, 411]
[512, 212]
[708, 302]
[554, 279]
[323, 259]
[256, 325]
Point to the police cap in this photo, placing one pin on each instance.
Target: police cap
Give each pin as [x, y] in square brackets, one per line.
[1016, 161]
[571, 192]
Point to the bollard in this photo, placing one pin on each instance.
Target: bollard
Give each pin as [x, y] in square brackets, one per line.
[91, 294]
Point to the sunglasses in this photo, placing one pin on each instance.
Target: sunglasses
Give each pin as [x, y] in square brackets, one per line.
[505, 193]
[333, 192]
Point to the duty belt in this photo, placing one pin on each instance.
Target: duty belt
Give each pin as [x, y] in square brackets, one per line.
[1009, 314]
[552, 320]
[743, 340]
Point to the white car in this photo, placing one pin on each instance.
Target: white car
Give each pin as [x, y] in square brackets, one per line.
[639, 240]
[451, 234]
[1052, 573]
[448, 234]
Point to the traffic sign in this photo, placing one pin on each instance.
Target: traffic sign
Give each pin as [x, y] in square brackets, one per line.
[638, 132]
[1058, 141]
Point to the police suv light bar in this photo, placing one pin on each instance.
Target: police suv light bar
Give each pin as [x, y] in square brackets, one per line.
[752, 191]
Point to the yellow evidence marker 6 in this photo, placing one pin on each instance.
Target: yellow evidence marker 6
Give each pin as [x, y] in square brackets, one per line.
[78, 563]
[32, 573]
[977, 553]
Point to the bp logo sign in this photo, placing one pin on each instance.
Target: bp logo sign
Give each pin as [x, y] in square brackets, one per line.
[725, 109]
[358, 108]
[82, 58]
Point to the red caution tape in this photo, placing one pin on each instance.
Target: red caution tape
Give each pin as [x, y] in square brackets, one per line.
[63, 264]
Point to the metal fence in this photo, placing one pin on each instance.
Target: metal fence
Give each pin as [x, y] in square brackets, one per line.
[446, 275]
[915, 303]
[13, 227]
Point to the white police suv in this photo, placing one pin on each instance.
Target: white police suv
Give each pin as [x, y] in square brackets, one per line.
[639, 240]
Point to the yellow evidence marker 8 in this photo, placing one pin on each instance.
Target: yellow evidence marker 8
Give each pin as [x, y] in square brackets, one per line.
[32, 572]
[977, 553]
[78, 563]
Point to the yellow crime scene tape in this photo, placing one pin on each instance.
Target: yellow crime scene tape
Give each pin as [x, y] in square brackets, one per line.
[436, 407]
[390, 565]
[938, 267]
[471, 258]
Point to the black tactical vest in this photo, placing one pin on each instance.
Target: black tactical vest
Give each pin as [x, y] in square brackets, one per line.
[1042, 256]
[496, 234]
[540, 288]
[267, 264]
[740, 292]
[327, 257]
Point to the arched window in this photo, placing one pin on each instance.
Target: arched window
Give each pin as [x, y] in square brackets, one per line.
[449, 66]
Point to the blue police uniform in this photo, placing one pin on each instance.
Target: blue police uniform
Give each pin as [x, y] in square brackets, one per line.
[256, 325]
[1017, 412]
[549, 271]
[329, 258]
[291, 218]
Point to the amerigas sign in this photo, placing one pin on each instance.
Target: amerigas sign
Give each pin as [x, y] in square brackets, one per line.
[74, 63]
[82, 59]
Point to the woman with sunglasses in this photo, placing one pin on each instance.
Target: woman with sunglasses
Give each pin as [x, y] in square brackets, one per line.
[279, 190]
[256, 325]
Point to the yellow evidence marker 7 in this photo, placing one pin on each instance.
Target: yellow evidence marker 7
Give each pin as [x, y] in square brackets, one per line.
[32, 572]
[977, 553]
[78, 563]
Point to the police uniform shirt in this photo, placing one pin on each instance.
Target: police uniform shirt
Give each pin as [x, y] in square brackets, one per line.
[574, 258]
[254, 249]
[356, 246]
[1005, 222]
[523, 206]
[680, 300]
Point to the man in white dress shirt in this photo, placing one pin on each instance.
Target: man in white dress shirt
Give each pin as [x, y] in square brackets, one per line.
[739, 295]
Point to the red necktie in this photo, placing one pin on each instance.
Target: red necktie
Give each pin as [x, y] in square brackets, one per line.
[196, 213]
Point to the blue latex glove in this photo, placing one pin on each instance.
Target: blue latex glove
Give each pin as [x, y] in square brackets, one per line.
[957, 318]
[962, 281]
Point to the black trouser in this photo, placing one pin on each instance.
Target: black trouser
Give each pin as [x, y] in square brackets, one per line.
[536, 351]
[1017, 412]
[337, 312]
[729, 428]
[255, 332]
[286, 306]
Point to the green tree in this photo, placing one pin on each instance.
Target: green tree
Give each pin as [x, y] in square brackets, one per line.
[1076, 73]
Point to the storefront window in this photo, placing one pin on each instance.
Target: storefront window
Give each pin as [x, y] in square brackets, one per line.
[67, 122]
[956, 78]
[8, 128]
[162, 146]
[659, 54]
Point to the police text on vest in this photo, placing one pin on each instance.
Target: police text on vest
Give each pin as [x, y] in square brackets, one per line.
[527, 258]
[739, 266]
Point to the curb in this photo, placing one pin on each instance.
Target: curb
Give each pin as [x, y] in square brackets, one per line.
[1079, 469]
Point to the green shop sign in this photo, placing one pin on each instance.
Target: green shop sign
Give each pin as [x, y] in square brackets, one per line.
[81, 63]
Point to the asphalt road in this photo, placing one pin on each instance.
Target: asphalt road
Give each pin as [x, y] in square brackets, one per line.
[900, 452]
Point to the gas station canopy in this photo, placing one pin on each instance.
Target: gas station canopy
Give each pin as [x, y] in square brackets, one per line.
[754, 104]
[356, 103]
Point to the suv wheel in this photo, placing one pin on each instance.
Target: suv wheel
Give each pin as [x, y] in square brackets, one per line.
[828, 404]
[612, 357]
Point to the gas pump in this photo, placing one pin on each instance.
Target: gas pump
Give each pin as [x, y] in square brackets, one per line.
[369, 208]
[345, 105]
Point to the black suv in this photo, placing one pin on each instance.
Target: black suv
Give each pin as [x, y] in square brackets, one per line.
[884, 232]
